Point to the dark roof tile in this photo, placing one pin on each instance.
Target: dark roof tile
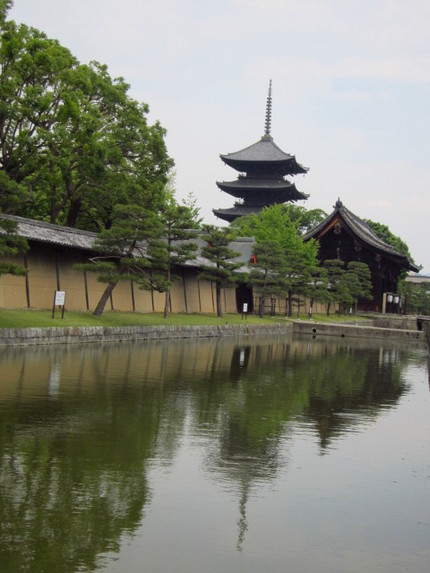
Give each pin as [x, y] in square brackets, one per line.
[361, 229]
[52, 234]
[264, 150]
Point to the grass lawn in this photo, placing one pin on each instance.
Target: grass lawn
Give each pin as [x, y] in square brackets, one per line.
[43, 318]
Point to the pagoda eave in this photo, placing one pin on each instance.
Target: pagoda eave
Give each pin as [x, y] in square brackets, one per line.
[243, 209]
[283, 167]
[265, 195]
[246, 184]
[230, 215]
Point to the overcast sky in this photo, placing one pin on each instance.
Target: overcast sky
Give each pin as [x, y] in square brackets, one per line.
[351, 91]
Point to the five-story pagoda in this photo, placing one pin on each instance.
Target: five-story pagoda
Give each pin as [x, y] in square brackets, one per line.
[262, 182]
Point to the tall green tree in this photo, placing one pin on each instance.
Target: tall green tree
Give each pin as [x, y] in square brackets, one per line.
[5, 6]
[305, 219]
[101, 153]
[268, 274]
[281, 224]
[274, 224]
[416, 298]
[282, 216]
[30, 94]
[221, 268]
[384, 233]
[73, 143]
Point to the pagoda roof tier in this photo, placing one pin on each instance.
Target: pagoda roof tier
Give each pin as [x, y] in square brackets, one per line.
[278, 190]
[241, 210]
[264, 153]
[235, 212]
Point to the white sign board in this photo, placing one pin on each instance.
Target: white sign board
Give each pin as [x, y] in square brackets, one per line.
[60, 297]
[245, 307]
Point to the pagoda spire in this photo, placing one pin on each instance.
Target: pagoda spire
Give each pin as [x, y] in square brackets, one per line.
[268, 121]
[263, 170]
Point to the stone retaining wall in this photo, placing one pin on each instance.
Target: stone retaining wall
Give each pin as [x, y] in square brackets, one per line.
[75, 335]
[355, 330]
[78, 335]
[425, 323]
[397, 322]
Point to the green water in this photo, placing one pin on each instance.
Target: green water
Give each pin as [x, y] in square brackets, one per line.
[251, 455]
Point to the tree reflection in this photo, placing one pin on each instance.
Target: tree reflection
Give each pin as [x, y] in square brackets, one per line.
[267, 388]
[73, 471]
[78, 428]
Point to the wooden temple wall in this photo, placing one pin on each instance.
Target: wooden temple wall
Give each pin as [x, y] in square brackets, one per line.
[51, 269]
[384, 273]
[279, 306]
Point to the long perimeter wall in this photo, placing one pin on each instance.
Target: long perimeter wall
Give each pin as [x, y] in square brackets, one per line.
[51, 269]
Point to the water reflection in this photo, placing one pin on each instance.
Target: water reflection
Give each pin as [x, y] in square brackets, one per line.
[81, 429]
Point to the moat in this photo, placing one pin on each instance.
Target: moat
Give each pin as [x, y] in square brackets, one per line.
[253, 454]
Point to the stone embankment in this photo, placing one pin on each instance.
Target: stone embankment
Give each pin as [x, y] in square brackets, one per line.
[84, 335]
[405, 330]
[365, 330]
[425, 326]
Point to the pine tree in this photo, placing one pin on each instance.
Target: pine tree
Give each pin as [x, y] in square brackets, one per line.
[11, 245]
[299, 277]
[144, 246]
[222, 270]
[359, 281]
[268, 275]
[123, 250]
[336, 289]
[174, 247]
[318, 287]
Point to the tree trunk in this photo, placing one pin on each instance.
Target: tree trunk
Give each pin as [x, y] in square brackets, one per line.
[74, 210]
[98, 311]
[218, 302]
[168, 277]
[53, 207]
[261, 310]
[290, 304]
[167, 304]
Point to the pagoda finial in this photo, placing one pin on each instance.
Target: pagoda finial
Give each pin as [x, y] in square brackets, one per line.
[268, 111]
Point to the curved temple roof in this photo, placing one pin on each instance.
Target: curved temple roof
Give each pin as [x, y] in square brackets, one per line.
[243, 188]
[361, 230]
[235, 212]
[264, 151]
